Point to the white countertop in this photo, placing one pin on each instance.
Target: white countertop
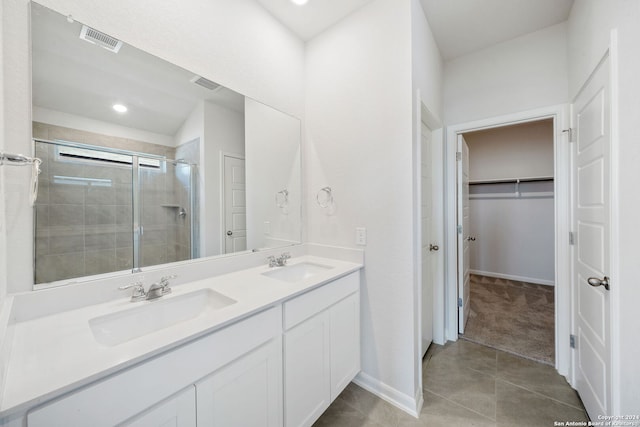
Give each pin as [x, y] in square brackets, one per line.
[55, 354]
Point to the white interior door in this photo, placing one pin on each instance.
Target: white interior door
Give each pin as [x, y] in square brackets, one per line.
[591, 223]
[464, 290]
[427, 246]
[235, 206]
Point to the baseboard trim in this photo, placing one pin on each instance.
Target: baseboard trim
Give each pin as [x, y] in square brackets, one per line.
[512, 277]
[410, 405]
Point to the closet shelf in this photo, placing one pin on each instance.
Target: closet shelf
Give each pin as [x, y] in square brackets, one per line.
[511, 180]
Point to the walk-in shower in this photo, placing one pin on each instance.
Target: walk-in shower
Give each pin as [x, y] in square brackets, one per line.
[101, 210]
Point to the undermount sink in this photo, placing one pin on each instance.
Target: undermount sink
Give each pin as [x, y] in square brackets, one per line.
[150, 316]
[296, 272]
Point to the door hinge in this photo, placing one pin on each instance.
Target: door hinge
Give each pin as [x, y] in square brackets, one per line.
[459, 229]
[572, 341]
[459, 302]
[571, 132]
[458, 156]
[572, 238]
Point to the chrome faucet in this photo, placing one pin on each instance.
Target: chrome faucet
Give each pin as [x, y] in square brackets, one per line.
[281, 261]
[138, 291]
[156, 290]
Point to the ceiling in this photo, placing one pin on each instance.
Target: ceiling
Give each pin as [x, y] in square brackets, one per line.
[314, 17]
[459, 26]
[76, 77]
[464, 26]
[73, 76]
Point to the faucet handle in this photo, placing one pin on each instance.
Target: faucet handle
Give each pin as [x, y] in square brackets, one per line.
[272, 261]
[282, 261]
[138, 290]
[164, 283]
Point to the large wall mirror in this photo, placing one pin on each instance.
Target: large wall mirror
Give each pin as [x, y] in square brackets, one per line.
[145, 163]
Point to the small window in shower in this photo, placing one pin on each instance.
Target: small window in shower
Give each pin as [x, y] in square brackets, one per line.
[89, 155]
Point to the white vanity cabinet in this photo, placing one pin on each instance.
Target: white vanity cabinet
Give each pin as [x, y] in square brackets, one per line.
[177, 411]
[245, 393]
[233, 359]
[321, 348]
[282, 366]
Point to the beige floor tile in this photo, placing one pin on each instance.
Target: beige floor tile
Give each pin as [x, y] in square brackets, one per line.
[370, 405]
[466, 384]
[536, 377]
[469, 355]
[439, 412]
[472, 389]
[341, 414]
[522, 408]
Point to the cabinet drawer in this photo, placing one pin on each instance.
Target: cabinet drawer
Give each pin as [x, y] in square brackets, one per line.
[313, 302]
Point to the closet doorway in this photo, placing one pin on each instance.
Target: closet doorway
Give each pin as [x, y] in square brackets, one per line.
[559, 116]
[507, 244]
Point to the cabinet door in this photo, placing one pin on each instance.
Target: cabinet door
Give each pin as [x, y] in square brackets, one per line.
[245, 393]
[177, 411]
[306, 355]
[345, 343]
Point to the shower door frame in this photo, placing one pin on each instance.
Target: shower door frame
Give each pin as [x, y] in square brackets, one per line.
[137, 227]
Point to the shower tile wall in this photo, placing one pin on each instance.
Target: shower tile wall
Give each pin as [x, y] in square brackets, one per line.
[166, 236]
[87, 229]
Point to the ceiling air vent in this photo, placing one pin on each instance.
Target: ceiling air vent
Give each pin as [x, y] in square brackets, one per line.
[206, 83]
[100, 39]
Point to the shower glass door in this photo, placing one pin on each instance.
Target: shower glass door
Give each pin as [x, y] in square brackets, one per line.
[164, 233]
[103, 210]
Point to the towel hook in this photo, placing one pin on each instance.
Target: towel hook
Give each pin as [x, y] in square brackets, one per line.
[282, 199]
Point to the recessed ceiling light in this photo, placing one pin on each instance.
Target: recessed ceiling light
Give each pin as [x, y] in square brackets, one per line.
[120, 108]
[299, 2]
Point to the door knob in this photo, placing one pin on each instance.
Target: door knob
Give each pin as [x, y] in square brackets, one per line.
[434, 248]
[595, 282]
[229, 233]
[470, 239]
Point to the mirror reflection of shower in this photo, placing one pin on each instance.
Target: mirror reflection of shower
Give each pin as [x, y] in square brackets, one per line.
[101, 210]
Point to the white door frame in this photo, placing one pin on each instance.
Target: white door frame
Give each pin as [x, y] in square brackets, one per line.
[562, 170]
[422, 114]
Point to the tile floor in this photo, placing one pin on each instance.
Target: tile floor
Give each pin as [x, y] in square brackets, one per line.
[466, 384]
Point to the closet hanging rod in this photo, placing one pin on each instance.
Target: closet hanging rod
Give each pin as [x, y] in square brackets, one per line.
[510, 180]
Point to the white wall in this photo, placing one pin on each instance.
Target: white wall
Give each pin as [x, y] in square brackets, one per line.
[521, 74]
[223, 133]
[518, 151]
[589, 26]
[514, 238]
[233, 42]
[426, 61]
[58, 118]
[272, 165]
[16, 98]
[360, 143]
[427, 79]
[3, 243]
